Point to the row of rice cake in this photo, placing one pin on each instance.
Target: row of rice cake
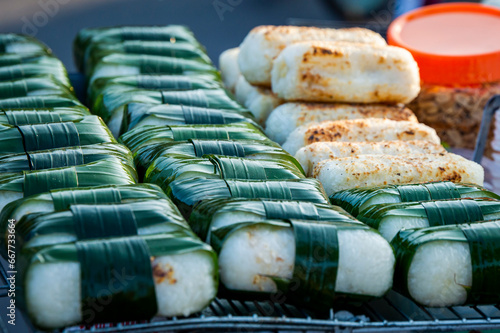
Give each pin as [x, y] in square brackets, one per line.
[341, 143]
[446, 238]
[73, 218]
[237, 162]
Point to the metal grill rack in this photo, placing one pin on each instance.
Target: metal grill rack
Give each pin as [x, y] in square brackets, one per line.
[391, 313]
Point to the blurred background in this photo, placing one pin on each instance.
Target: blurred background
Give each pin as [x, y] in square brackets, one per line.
[218, 24]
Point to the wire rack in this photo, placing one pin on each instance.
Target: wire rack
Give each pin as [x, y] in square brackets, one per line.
[391, 313]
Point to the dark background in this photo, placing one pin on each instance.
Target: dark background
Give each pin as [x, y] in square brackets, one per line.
[218, 24]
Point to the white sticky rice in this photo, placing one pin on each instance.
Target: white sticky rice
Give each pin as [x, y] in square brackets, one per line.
[54, 299]
[439, 273]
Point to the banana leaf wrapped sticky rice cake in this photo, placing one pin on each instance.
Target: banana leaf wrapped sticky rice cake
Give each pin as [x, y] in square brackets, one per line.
[249, 149]
[154, 81]
[28, 138]
[46, 66]
[22, 184]
[449, 265]
[138, 114]
[216, 213]
[11, 59]
[356, 200]
[63, 157]
[61, 199]
[34, 86]
[166, 275]
[147, 135]
[113, 35]
[167, 168]
[18, 117]
[42, 101]
[389, 219]
[99, 221]
[187, 192]
[111, 107]
[315, 263]
[99, 51]
[116, 64]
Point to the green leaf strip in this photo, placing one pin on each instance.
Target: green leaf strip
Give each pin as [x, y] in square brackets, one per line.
[116, 275]
[186, 133]
[197, 115]
[484, 245]
[13, 89]
[63, 199]
[316, 261]
[216, 147]
[164, 82]
[254, 190]
[233, 168]
[92, 222]
[47, 136]
[25, 117]
[55, 159]
[452, 212]
[38, 182]
[290, 210]
[443, 190]
[192, 98]
[410, 193]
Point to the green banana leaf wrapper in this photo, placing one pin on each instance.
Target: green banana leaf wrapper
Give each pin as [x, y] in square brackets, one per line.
[197, 148]
[138, 114]
[187, 192]
[315, 266]
[137, 260]
[10, 59]
[19, 44]
[154, 82]
[63, 157]
[113, 35]
[483, 240]
[111, 107]
[86, 222]
[168, 168]
[53, 68]
[115, 65]
[432, 213]
[148, 135]
[62, 199]
[182, 50]
[34, 86]
[42, 101]
[28, 138]
[215, 213]
[109, 171]
[19, 117]
[358, 199]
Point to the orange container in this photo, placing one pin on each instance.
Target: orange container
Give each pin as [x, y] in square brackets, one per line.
[457, 47]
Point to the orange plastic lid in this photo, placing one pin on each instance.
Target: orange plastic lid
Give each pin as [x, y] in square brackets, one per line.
[453, 43]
